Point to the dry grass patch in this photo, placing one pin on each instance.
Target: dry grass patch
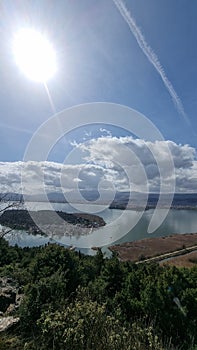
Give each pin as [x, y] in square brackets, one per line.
[187, 260]
[150, 247]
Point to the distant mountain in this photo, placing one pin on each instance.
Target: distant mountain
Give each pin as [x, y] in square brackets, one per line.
[57, 197]
[120, 200]
[11, 196]
[180, 200]
[52, 197]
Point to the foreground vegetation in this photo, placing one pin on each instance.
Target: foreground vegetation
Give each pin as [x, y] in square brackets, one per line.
[73, 302]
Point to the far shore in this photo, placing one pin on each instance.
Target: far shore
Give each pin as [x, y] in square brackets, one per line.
[148, 207]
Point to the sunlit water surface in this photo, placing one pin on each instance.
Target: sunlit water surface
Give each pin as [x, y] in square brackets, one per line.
[116, 230]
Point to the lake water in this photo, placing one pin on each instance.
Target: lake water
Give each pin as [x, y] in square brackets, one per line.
[122, 226]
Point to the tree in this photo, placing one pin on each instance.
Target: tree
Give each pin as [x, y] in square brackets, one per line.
[7, 203]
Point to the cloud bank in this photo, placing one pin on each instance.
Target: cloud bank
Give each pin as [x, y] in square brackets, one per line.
[122, 163]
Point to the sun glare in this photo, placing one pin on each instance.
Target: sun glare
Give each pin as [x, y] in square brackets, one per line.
[34, 55]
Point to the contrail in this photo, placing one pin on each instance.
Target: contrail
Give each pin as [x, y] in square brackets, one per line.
[152, 57]
[4, 125]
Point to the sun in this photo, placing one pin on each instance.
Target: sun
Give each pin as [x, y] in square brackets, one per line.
[34, 55]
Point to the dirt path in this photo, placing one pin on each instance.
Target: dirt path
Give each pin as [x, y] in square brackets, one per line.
[185, 260]
[163, 257]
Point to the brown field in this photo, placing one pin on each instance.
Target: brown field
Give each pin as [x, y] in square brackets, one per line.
[151, 247]
[182, 260]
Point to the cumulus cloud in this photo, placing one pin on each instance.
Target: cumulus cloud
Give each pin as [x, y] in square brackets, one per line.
[129, 157]
[123, 163]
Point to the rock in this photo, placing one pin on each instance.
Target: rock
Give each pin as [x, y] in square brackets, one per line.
[11, 308]
[9, 295]
[6, 299]
[10, 299]
[8, 322]
[5, 281]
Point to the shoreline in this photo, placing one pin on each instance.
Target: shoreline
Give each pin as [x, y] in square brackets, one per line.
[149, 207]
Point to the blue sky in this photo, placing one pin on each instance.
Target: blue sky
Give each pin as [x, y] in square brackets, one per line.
[99, 59]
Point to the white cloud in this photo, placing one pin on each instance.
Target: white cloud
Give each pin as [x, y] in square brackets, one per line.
[108, 162]
[133, 155]
[105, 132]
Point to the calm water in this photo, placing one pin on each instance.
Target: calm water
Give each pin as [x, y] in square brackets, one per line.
[120, 226]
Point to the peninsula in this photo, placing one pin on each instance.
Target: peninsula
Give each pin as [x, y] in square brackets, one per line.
[33, 220]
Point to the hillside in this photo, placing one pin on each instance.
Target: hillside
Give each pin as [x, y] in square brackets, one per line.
[55, 298]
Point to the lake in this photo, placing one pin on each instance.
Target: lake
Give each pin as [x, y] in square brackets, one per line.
[122, 226]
